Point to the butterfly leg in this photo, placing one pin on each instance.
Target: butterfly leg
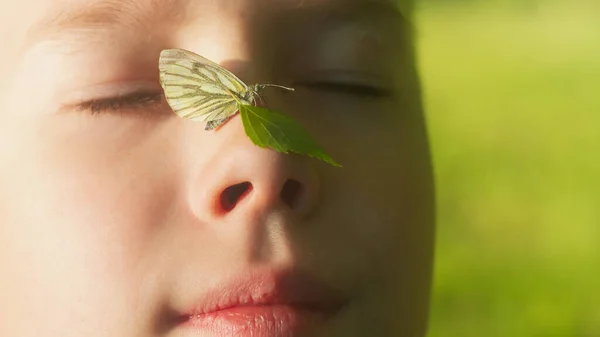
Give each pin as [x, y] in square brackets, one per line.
[257, 99]
[214, 124]
[263, 102]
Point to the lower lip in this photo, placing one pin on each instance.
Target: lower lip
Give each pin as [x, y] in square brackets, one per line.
[257, 321]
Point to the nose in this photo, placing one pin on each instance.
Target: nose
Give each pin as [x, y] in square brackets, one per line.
[244, 179]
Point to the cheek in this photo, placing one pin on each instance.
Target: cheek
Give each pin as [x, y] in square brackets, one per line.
[399, 195]
[86, 179]
[77, 217]
[385, 195]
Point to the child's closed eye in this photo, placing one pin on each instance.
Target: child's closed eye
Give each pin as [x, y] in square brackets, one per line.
[346, 84]
[350, 88]
[136, 101]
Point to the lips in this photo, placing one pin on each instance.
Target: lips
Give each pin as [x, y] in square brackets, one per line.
[264, 303]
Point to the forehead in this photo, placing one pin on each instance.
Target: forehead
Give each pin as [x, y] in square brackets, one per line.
[31, 21]
[65, 13]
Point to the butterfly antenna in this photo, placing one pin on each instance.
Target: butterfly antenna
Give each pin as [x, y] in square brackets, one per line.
[264, 101]
[278, 86]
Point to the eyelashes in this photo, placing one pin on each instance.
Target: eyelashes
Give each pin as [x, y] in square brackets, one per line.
[146, 101]
[132, 101]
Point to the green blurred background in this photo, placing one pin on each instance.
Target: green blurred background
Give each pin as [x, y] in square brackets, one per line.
[512, 93]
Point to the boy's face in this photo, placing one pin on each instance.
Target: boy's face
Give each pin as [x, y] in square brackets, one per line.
[123, 220]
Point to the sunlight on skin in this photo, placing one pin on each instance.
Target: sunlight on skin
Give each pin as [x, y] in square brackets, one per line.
[116, 223]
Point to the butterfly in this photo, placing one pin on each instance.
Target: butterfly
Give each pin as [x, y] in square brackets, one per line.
[201, 90]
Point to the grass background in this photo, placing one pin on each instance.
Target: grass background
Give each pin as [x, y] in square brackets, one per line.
[512, 92]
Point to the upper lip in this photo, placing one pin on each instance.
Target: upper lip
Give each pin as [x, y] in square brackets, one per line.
[269, 287]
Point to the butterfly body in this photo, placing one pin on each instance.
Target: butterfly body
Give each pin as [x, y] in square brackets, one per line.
[201, 90]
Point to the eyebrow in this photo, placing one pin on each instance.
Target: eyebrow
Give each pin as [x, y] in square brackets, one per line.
[395, 10]
[104, 14]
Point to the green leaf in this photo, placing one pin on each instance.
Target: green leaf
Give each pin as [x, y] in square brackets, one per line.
[267, 128]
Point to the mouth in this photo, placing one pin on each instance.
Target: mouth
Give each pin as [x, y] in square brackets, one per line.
[264, 304]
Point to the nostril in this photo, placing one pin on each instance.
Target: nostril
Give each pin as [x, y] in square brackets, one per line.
[290, 192]
[232, 195]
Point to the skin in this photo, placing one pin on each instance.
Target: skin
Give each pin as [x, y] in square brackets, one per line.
[108, 221]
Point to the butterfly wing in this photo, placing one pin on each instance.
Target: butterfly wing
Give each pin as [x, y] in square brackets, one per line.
[197, 88]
